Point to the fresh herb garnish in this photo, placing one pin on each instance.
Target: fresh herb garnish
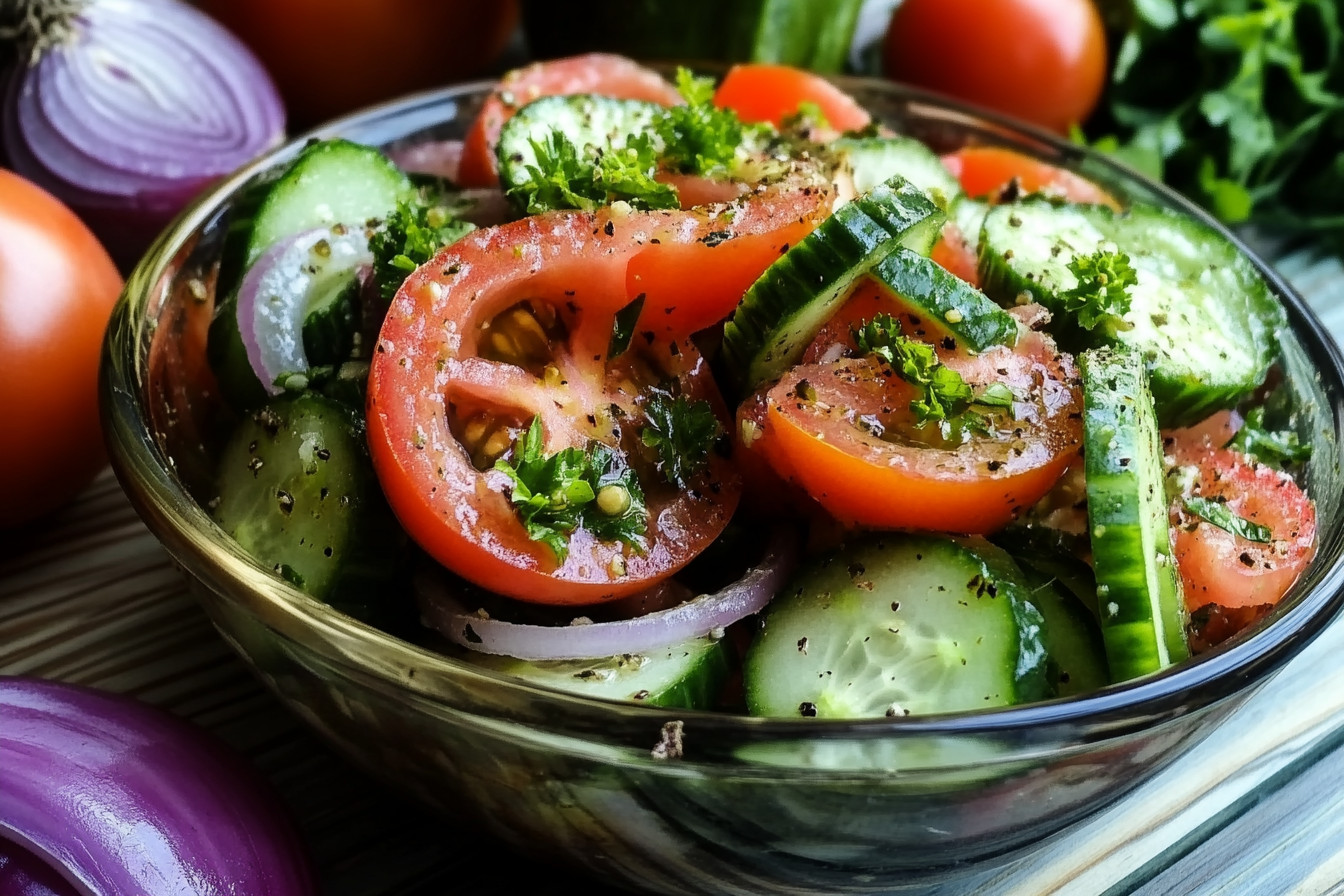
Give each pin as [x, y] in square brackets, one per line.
[1268, 445]
[623, 327]
[411, 235]
[1101, 295]
[944, 396]
[682, 432]
[1217, 513]
[571, 489]
[566, 176]
[699, 137]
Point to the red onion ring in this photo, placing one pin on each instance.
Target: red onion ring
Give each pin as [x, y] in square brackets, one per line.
[697, 617]
[272, 298]
[120, 797]
[141, 106]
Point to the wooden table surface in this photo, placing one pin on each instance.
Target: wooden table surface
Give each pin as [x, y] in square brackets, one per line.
[89, 596]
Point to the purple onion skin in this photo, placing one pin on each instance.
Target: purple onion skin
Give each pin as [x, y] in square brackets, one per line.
[124, 798]
[24, 874]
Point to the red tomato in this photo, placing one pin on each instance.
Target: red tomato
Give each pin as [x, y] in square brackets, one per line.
[844, 431]
[57, 287]
[957, 255]
[1218, 567]
[513, 323]
[333, 56]
[759, 91]
[986, 171]
[1043, 61]
[590, 73]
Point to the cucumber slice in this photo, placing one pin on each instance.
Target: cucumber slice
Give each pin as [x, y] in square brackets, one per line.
[328, 183]
[686, 675]
[785, 307]
[895, 624]
[948, 302]
[587, 120]
[297, 491]
[1138, 589]
[1201, 316]
[874, 159]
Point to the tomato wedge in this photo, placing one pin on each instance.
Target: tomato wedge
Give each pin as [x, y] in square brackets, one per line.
[986, 171]
[516, 322]
[1226, 569]
[603, 73]
[844, 431]
[759, 91]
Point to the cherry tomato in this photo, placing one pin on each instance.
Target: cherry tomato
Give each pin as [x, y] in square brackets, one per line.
[515, 323]
[844, 431]
[759, 91]
[57, 288]
[1219, 567]
[602, 73]
[985, 172]
[329, 57]
[1042, 61]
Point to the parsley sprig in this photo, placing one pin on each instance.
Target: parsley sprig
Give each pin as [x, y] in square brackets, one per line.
[1267, 445]
[1217, 513]
[574, 488]
[699, 137]
[567, 176]
[1101, 295]
[944, 397]
[412, 234]
[682, 432]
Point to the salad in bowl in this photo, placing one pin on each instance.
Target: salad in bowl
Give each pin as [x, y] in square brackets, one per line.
[730, 453]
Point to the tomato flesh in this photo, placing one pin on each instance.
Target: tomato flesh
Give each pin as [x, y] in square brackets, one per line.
[985, 172]
[759, 91]
[601, 73]
[1218, 567]
[844, 432]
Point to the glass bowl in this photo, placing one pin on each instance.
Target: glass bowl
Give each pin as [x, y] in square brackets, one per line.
[737, 804]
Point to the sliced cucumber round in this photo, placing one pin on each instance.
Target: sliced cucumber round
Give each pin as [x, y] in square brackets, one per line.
[686, 675]
[874, 159]
[297, 491]
[951, 304]
[1142, 611]
[1200, 314]
[897, 624]
[788, 304]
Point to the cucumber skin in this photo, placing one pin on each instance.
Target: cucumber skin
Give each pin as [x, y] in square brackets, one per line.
[794, 659]
[335, 505]
[875, 159]
[1139, 597]
[951, 303]
[699, 686]
[784, 308]
[1198, 298]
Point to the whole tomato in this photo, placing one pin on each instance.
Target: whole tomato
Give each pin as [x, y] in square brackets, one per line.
[57, 288]
[329, 57]
[1042, 61]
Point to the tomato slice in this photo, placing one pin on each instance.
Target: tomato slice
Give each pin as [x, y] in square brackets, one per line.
[603, 73]
[956, 253]
[1219, 567]
[844, 432]
[986, 171]
[514, 323]
[760, 91]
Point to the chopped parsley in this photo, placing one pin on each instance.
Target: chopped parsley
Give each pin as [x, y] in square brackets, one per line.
[1101, 295]
[1267, 445]
[1217, 513]
[568, 177]
[699, 137]
[411, 235]
[682, 432]
[572, 489]
[944, 397]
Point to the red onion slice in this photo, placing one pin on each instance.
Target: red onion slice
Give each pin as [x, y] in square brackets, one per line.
[273, 297]
[695, 618]
[120, 797]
